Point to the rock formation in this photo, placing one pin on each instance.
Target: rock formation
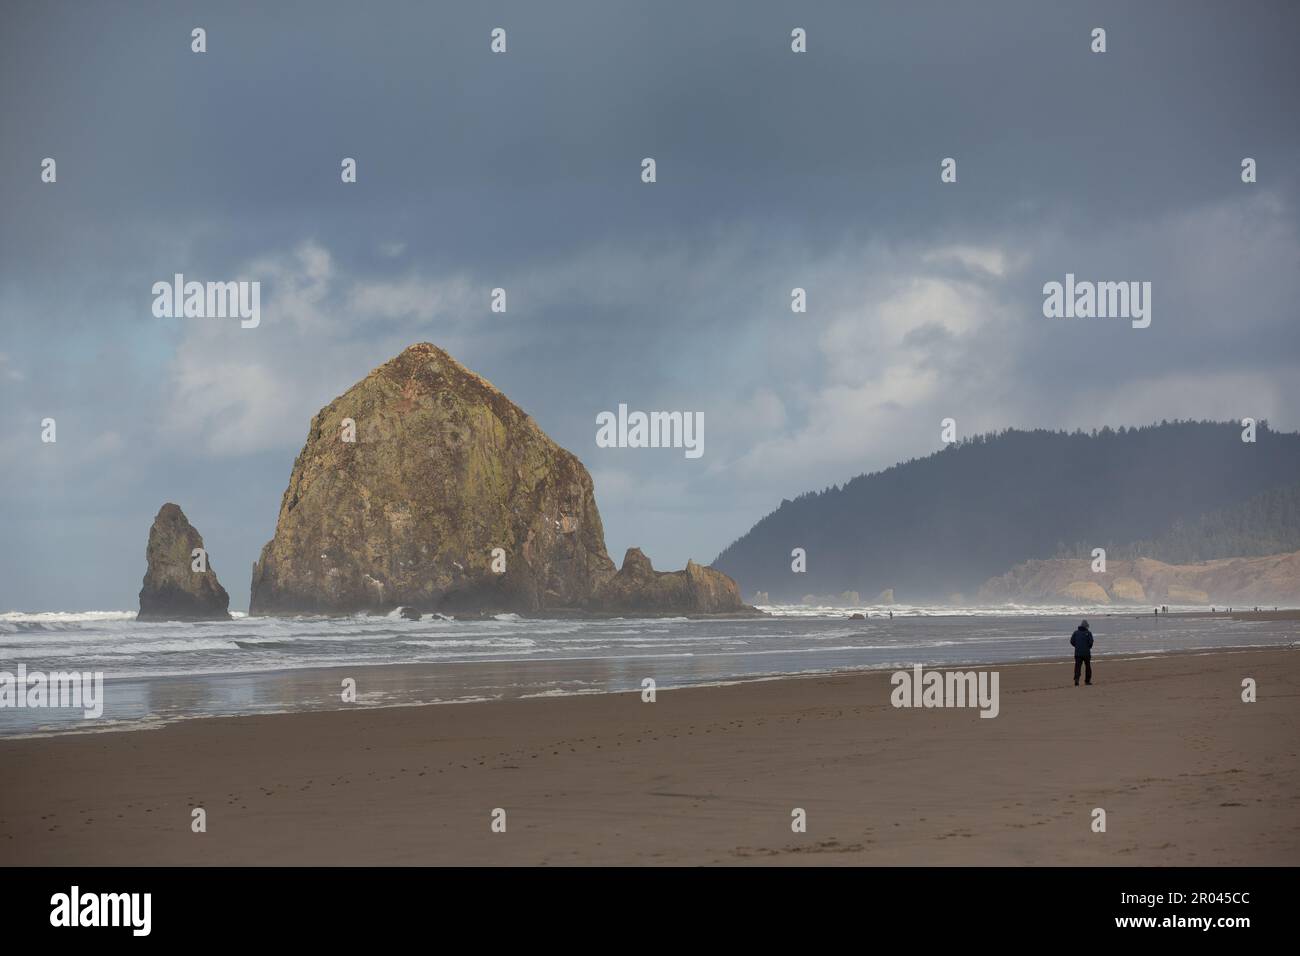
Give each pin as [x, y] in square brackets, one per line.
[639, 589]
[1273, 579]
[1128, 590]
[173, 590]
[1084, 592]
[843, 599]
[424, 487]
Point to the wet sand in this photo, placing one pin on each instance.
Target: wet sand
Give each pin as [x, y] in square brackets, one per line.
[1188, 775]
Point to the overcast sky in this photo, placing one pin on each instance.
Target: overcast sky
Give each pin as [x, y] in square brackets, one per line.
[522, 170]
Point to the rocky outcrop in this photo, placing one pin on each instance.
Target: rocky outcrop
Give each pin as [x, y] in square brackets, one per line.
[424, 487]
[1177, 594]
[174, 590]
[448, 498]
[1128, 590]
[1085, 592]
[1273, 579]
[638, 588]
[843, 599]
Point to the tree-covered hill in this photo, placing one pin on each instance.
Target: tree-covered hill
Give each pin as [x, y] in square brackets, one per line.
[946, 523]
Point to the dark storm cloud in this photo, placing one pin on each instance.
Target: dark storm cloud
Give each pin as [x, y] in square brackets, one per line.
[775, 170]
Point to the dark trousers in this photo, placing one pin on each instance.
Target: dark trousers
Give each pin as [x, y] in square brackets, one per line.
[1083, 662]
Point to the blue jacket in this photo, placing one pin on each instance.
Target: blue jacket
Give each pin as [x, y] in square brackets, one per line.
[1082, 641]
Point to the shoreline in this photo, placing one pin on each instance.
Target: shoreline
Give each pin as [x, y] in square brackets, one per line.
[1188, 774]
[328, 675]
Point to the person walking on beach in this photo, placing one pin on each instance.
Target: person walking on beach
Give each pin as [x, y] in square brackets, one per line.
[1081, 639]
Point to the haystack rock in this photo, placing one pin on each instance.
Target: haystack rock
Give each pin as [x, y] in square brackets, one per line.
[424, 487]
[639, 588]
[173, 589]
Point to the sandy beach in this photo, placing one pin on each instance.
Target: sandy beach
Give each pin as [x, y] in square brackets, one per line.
[1188, 775]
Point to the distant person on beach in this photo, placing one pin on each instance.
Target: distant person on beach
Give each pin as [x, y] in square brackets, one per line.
[1081, 640]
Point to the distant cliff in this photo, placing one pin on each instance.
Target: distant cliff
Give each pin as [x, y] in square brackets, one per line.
[948, 522]
[424, 487]
[1241, 582]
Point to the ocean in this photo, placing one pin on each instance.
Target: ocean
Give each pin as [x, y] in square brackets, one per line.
[155, 673]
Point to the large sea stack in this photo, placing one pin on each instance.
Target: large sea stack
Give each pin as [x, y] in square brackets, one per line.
[423, 487]
[407, 484]
[416, 488]
[173, 590]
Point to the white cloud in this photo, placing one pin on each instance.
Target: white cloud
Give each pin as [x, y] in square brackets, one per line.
[295, 287]
[895, 339]
[233, 405]
[8, 371]
[418, 298]
[901, 341]
[982, 258]
[234, 391]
